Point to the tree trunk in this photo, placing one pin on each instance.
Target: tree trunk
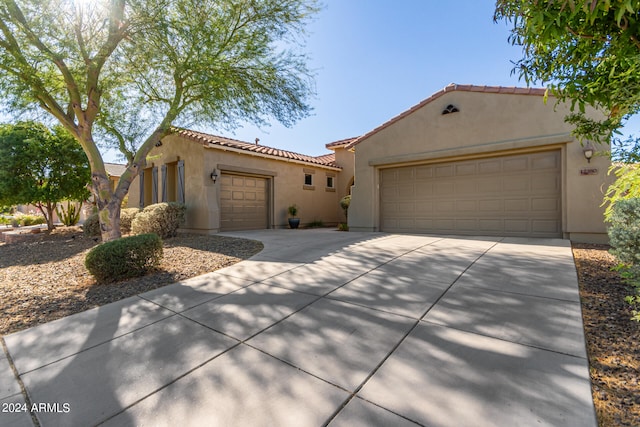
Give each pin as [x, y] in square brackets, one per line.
[50, 210]
[108, 204]
[48, 214]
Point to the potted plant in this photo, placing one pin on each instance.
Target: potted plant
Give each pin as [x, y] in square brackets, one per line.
[293, 221]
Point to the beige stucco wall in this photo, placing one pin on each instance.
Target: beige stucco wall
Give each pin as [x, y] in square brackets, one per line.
[487, 124]
[345, 159]
[286, 180]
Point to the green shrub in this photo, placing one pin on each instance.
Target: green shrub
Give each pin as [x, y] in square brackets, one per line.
[624, 231]
[343, 226]
[345, 202]
[28, 219]
[316, 223]
[126, 218]
[124, 258]
[70, 215]
[160, 218]
[91, 226]
[624, 236]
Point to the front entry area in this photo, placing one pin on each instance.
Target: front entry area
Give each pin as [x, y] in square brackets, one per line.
[516, 195]
[244, 202]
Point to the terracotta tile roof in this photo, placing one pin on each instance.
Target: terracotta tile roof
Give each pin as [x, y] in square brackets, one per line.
[256, 149]
[452, 87]
[341, 143]
[114, 169]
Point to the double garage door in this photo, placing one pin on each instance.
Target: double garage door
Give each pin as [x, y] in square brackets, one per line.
[518, 195]
[243, 202]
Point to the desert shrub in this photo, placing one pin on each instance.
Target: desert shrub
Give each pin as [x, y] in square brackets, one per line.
[126, 218]
[624, 237]
[70, 215]
[344, 204]
[91, 226]
[28, 219]
[124, 258]
[160, 218]
[624, 231]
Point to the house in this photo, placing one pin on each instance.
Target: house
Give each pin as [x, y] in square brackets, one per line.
[478, 160]
[469, 160]
[233, 185]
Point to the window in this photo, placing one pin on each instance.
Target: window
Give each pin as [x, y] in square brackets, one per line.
[329, 182]
[308, 179]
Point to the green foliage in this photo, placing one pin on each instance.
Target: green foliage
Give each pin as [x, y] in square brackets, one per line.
[123, 72]
[624, 236]
[41, 167]
[126, 218]
[316, 223]
[124, 258]
[345, 202]
[343, 226]
[91, 225]
[624, 231]
[293, 210]
[587, 52]
[70, 215]
[26, 220]
[162, 219]
[626, 186]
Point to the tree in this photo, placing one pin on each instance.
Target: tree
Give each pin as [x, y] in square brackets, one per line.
[41, 167]
[587, 51]
[124, 71]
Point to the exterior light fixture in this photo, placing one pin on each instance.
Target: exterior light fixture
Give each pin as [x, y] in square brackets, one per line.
[214, 176]
[588, 152]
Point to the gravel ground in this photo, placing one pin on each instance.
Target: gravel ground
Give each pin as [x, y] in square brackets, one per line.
[613, 340]
[45, 279]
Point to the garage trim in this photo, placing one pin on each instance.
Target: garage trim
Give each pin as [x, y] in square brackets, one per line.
[488, 150]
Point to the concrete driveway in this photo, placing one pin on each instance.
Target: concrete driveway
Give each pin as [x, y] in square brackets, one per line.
[324, 327]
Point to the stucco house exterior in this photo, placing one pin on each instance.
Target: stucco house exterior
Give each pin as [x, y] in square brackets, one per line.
[469, 160]
[478, 160]
[233, 185]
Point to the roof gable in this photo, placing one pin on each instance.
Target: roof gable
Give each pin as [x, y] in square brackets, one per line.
[450, 88]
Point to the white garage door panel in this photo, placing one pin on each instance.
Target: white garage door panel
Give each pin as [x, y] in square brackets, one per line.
[243, 203]
[516, 195]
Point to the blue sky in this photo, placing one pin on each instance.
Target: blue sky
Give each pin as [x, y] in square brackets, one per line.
[376, 58]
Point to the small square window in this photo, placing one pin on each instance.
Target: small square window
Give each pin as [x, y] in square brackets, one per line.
[308, 179]
[329, 182]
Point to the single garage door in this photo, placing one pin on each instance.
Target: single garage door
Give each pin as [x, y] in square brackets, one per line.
[516, 195]
[243, 203]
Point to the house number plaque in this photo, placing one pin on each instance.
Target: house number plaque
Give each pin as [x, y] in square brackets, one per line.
[589, 171]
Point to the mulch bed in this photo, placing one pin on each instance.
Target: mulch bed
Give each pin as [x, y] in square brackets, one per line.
[613, 340]
[45, 279]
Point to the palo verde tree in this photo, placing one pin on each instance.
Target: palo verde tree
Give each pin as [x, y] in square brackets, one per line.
[586, 52]
[41, 167]
[123, 72]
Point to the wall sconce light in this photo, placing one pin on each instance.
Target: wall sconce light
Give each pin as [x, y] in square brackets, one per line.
[214, 176]
[588, 152]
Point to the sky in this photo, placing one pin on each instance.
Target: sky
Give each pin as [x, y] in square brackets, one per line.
[374, 59]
